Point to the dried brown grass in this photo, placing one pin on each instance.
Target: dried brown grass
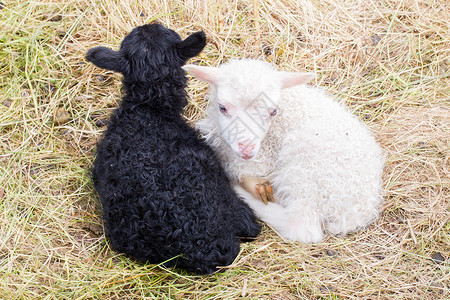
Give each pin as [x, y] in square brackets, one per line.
[388, 60]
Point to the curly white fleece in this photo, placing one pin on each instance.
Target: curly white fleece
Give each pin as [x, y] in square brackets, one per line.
[323, 163]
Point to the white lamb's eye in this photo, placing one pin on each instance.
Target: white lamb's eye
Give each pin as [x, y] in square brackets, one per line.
[274, 112]
[222, 109]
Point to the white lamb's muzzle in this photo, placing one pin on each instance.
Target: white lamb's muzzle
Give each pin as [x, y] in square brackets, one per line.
[245, 152]
[244, 147]
[243, 135]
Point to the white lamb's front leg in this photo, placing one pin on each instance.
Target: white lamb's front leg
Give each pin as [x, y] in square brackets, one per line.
[302, 225]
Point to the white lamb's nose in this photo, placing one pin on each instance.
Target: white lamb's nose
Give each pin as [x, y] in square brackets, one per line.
[246, 149]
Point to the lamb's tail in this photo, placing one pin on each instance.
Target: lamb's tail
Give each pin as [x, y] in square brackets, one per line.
[303, 225]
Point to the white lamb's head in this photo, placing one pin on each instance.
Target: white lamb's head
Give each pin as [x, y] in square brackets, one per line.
[244, 98]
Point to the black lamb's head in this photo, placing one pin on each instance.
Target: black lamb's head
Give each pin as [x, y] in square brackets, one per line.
[149, 52]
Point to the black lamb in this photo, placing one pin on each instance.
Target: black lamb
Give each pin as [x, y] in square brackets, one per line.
[164, 194]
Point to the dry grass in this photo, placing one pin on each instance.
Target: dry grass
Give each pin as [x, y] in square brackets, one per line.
[388, 60]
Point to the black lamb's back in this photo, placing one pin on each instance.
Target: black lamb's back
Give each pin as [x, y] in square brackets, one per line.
[163, 191]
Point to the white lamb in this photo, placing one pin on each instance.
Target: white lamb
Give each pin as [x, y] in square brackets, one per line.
[322, 162]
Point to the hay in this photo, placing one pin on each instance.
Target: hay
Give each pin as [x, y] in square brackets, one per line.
[388, 60]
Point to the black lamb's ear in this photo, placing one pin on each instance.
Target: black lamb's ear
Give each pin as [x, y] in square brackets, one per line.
[107, 59]
[192, 45]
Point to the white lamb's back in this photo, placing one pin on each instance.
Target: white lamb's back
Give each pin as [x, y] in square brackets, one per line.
[329, 158]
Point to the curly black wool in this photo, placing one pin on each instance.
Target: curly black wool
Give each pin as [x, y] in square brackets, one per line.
[163, 191]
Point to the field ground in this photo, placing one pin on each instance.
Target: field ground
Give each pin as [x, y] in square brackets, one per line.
[388, 60]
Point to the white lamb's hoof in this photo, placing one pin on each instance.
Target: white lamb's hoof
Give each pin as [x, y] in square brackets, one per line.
[259, 188]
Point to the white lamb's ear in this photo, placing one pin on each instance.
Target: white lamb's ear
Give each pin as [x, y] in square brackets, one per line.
[290, 79]
[206, 74]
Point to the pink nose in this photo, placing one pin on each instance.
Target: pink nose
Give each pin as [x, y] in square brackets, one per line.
[246, 149]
